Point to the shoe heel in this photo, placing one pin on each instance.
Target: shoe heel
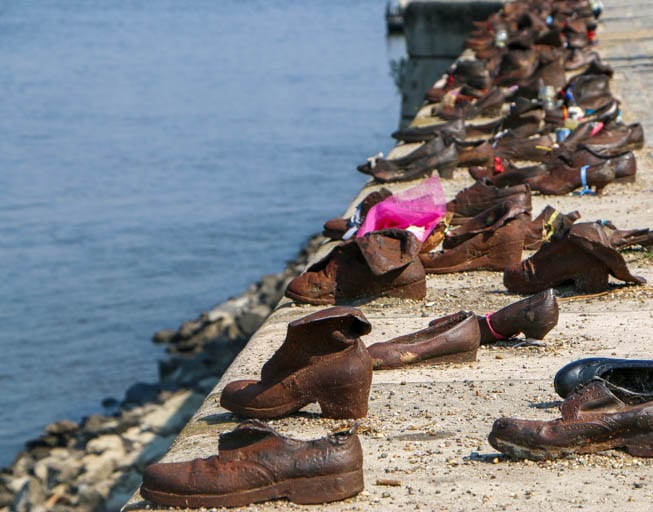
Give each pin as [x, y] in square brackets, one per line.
[446, 171]
[416, 290]
[343, 403]
[323, 489]
[536, 333]
[641, 446]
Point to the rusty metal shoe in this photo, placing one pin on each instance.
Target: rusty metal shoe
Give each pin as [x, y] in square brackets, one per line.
[533, 316]
[492, 240]
[381, 263]
[581, 255]
[482, 195]
[430, 148]
[616, 139]
[549, 222]
[615, 426]
[336, 229]
[444, 162]
[450, 339]
[321, 360]
[562, 178]
[633, 374]
[425, 133]
[257, 464]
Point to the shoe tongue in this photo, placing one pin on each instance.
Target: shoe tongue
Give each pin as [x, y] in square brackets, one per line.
[248, 432]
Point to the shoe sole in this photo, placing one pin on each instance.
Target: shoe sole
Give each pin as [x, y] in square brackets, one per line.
[416, 291]
[641, 445]
[412, 359]
[303, 491]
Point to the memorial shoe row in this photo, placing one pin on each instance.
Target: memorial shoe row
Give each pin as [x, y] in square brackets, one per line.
[323, 359]
[608, 403]
[531, 88]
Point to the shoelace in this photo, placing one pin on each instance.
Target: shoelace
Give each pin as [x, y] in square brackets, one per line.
[585, 190]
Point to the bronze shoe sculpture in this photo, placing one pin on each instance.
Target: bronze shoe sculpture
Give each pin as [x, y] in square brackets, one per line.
[636, 374]
[616, 139]
[454, 128]
[336, 229]
[482, 195]
[533, 316]
[430, 148]
[321, 360]
[592, 421]
[549, 222]
[444, 162]
[381, 263]
[582, 255]
[450, 339]
[492, 240]
[254, 464]
[562, 178]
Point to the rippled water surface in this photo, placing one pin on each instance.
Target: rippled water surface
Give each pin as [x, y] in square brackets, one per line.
[156, 158]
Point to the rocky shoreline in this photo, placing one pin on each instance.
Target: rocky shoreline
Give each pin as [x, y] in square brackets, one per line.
[96, 464]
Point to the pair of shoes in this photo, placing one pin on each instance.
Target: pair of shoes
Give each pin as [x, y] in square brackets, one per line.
[581, 254]
[321, 359]
[455, 338]
[597, 415]
[381, 263]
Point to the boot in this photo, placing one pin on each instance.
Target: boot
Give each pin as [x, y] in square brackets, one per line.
[582, 255]
[534, 316]
[321, 360]
[450, 339]
[492, 240]
[381, 263]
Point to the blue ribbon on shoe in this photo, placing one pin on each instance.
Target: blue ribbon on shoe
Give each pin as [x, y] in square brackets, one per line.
[585, 191]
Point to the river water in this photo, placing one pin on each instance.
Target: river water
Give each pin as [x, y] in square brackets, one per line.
[155, 159]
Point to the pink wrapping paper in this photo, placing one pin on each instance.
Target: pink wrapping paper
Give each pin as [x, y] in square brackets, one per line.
[418, 210]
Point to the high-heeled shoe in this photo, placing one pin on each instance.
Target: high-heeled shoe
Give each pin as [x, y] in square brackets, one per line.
[534, 317]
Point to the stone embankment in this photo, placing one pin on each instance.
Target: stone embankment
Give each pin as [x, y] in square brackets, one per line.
[96, 464]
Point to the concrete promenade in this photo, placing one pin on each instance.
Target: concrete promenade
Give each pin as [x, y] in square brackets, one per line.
[426, 433]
